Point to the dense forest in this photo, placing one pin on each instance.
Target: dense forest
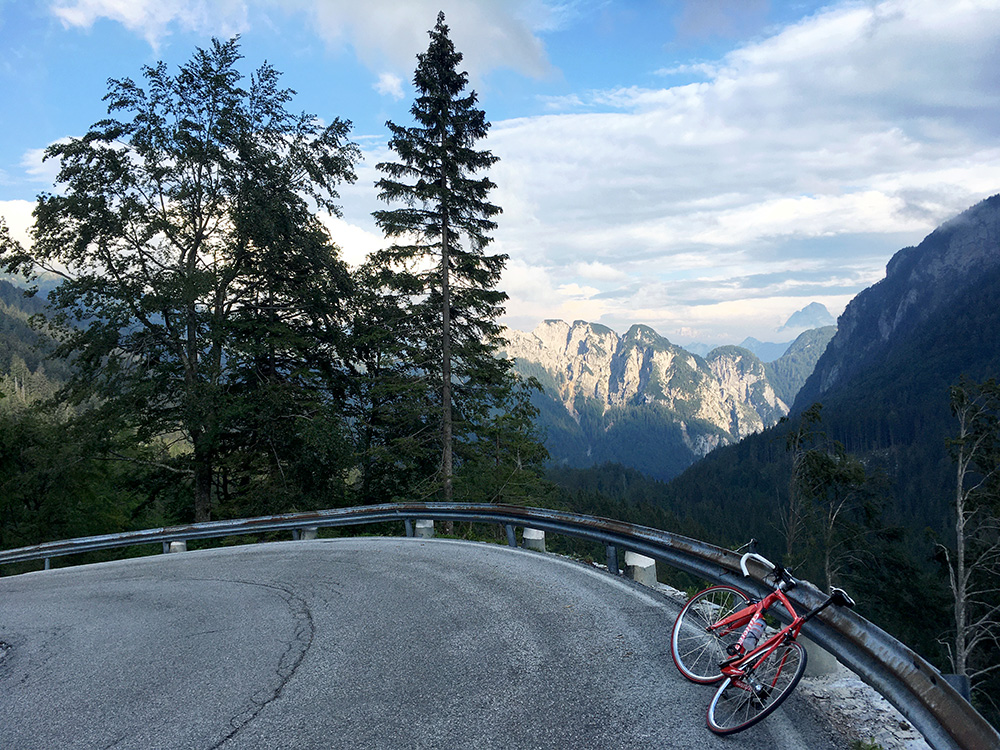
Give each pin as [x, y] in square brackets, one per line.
[206, 353]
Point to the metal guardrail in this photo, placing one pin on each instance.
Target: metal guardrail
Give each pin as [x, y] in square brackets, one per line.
[910, 683]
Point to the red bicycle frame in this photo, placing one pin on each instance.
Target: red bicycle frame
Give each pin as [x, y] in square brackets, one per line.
[734, 667]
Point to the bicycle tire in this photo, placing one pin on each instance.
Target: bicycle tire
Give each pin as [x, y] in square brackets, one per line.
[696, 651]
[740, 703]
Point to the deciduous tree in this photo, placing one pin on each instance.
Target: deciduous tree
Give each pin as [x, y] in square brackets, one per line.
[195, 270]
[974, 560]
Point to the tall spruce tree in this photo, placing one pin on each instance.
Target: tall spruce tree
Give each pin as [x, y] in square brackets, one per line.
[438, 258]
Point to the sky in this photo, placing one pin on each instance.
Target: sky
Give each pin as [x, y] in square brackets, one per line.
[704, 167]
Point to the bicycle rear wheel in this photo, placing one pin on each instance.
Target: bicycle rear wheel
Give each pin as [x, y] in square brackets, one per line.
[697, 651]
[741, 702]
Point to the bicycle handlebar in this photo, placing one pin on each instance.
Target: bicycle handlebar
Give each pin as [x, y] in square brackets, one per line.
[782, 576]
[759, 558]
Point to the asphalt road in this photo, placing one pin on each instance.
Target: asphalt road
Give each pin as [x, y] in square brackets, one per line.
[352, 643]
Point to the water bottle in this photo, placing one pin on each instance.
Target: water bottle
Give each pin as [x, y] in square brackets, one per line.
[753, 634]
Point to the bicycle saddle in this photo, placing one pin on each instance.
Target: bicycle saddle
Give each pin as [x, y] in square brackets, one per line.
[841, 598]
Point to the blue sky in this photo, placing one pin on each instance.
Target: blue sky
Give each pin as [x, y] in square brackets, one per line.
[706, 167]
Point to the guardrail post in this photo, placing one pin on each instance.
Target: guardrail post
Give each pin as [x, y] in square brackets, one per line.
[612, 559]
[640, 568]
[408, 525]
[48, 563]
[534, 539]
[511, 534]
[424, 528]
[166, 547]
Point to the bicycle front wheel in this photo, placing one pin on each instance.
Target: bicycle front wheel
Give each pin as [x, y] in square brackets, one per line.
[741, 702]
[696, 648]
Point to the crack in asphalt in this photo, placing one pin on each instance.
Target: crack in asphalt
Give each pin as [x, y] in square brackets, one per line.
[288, 662]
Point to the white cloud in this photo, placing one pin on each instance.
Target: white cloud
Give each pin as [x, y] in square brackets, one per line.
[153, 19]
[493, 34]
[17, 214]
[389, 84]
[866, 120]
[599, 271]
[356, 243]
[40, 169]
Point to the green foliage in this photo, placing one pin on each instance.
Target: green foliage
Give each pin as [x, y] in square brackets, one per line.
[197, 276]
[439, 284]
[506, 463]
[53, 483]
[833, 505]
[789, 372]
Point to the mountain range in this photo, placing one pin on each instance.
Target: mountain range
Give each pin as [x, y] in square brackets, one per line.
[637, 399]
[884, 379]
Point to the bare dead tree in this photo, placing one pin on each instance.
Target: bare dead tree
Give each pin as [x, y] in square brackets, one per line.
[974, 563]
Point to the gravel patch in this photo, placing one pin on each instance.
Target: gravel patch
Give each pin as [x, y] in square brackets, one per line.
[858, 712]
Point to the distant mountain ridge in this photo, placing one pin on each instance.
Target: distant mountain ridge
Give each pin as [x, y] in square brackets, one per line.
[766, 351]
[813, 315]
[640, 400]
[883, 382]
[935, 279]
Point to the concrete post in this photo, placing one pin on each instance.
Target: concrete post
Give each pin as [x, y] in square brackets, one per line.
[310, 532]
[178, 547]
[534, 539]
[640, 568]
[423, 528]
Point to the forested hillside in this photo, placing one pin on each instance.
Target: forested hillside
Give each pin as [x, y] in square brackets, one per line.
[27, 373]
[874, 430]
[789, 372]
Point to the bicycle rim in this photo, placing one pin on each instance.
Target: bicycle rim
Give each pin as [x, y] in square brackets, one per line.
[696, 651]
[741, 702]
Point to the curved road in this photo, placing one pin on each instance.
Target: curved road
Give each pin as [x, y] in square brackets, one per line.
[353, 643]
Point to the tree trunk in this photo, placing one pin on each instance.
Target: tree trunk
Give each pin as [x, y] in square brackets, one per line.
[202, 479]
[446, 426]
[959, 584]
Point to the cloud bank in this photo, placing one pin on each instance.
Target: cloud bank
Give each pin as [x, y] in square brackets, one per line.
[711, 206]
[788, 172]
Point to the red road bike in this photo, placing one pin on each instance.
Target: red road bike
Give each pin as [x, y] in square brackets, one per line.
[719, 635]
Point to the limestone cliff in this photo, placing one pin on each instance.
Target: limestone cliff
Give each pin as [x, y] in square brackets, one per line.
[921, 284]
[602, 377]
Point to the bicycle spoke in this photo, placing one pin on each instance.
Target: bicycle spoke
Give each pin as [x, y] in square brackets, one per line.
[697, 650]
[742, 702]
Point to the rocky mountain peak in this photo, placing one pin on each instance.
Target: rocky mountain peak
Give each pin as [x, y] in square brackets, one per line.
[729, 390]
[919, 282]
[639, 400]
